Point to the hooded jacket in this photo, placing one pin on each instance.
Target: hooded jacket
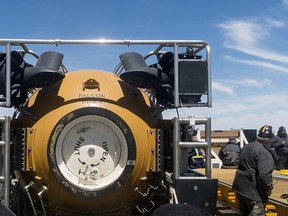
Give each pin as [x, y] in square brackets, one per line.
[280, 143]
[253, 177]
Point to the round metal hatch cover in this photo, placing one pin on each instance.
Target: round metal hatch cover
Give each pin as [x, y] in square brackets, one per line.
[92, 151]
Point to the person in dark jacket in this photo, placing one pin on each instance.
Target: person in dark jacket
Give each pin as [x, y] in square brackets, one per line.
[280, 145]
[229, 154]
[253, 182]
[195, 156]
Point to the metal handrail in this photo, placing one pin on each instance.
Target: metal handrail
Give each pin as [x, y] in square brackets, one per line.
[5, 177]
[18, 42]
[199, 45]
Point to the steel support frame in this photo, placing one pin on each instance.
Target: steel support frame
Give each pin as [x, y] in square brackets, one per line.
[5, 144]
[177, 145]
[176, 44]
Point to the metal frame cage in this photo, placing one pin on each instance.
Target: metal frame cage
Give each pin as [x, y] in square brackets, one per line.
[192, 76]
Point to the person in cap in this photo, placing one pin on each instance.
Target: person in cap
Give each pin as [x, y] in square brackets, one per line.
[253, 182]
[280, 145]
[229, 154]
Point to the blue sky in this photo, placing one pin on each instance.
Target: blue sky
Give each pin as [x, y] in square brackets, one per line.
[248, 41]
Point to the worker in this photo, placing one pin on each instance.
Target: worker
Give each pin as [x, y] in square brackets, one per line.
[195, 156]
[280, 145]
[229, 154]
[253, 182]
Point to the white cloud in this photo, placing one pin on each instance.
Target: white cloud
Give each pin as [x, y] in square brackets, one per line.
[248, 36]
[264, 99]
[252, 82]
[257, 83]
[250, 112]
[285, 2]
[229, 86]
[262, 53]
[222, 88]
[258, 64]
[275, 23]
[243, 33]
[250, 120]
[229, 108]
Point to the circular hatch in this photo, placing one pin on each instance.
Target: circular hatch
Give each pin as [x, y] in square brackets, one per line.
[93, 153]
